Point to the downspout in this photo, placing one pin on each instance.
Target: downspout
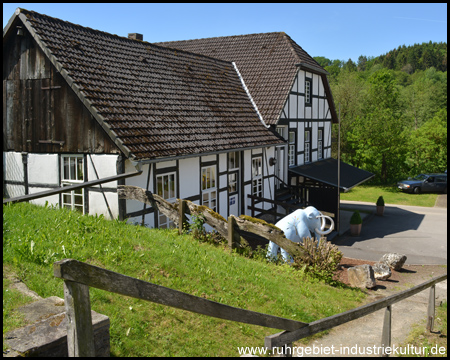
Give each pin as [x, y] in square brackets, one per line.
[250, 96]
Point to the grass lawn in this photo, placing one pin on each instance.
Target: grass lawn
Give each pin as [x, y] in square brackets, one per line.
[35, 237]
[391, 195]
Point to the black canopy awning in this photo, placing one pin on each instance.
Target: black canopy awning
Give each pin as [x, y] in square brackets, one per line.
[326, 171]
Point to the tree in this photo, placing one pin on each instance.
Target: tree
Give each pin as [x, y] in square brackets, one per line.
[362, 61]
[427, 147]
[377, 136]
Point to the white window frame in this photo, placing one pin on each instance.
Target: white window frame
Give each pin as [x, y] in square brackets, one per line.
[308, 87]
[291, 151]
[257, 178]
[209, 187]
[320, 144]
[71, 175]
[168, 193]
[307, 146]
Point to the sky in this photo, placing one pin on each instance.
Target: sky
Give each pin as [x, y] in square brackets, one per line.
[335, 31]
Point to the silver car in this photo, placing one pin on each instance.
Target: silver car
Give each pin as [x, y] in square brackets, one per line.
[424, 183]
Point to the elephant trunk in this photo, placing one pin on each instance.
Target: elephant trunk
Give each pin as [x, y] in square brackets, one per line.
[322, 230]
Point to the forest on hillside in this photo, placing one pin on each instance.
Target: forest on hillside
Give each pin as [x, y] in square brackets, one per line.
[393, 111]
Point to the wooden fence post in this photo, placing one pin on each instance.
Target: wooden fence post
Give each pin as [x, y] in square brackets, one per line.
[231, 232]
[80, 334]
[182, 216]
[431, 308]
[386, 336]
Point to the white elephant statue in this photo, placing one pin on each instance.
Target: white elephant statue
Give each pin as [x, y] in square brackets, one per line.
[298, 225]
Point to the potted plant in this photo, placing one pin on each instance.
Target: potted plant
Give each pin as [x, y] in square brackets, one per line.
[355, 223]
[380, 206]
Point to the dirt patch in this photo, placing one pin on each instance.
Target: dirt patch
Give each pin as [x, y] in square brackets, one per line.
[408, 276]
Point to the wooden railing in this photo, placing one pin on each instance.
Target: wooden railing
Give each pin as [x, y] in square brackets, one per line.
[285, 338]
[79, 276]
[62, 189]
[235, 229]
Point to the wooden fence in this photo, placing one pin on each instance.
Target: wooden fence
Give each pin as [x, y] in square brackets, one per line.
[79, 276]
[236, 229]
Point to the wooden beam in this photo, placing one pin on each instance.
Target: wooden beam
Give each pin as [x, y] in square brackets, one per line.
[69, 188]
[80, 334]
[89, 275]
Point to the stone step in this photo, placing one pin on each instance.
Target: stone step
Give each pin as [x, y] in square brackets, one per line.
[47, 334]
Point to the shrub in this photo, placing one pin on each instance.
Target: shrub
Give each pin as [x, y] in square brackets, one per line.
[380, 201]
[199, 233]
[356, 218]
[321, 259]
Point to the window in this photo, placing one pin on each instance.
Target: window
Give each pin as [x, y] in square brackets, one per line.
[257, 177]
[166, 188]
[72, 173]
[209, 190]
[291, 153]
[320, 144]
[233, 171]
[308, 85]
[233, 160]
[307, 146]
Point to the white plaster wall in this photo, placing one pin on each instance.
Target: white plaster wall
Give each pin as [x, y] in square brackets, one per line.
[223, 204]
[208, 158]
[316, 81]
[97, 204]
[293, 106]
[52, 199]
[166, 164]
[189, 170]
[43, 169]
[321, 87]
[15, 190]
[105, 165]
[12, 165]
[315, 108]
[247, 166]
[223, 164]
[223, 181]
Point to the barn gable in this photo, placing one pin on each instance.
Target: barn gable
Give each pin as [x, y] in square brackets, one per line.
[151, 102]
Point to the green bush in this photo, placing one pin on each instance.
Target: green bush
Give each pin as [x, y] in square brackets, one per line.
[356, 218]
[321, 259]
[380, 201]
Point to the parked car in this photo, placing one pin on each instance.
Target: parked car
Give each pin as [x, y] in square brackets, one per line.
[424, 183]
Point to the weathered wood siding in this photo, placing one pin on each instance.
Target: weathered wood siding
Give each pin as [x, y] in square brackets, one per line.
[38, 105]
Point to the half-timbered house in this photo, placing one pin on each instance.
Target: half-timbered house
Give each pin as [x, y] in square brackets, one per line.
[203, 119]
[292, 93]
[81, 104]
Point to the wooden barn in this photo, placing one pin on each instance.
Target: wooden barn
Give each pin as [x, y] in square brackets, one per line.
[223, 122]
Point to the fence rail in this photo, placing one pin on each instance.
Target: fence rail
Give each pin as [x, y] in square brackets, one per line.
[234, 229]
[286, 338]
[79, 276]
[62, 189]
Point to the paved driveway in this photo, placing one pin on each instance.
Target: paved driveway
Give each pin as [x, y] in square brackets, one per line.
[418, 232]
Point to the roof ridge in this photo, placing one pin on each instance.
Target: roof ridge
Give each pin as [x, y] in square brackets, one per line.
[225, 36]
[142, 42]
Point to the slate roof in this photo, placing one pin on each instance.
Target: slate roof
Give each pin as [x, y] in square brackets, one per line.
[266, 61]
[154, 102]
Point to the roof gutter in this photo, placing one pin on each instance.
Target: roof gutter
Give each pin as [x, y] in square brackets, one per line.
[250, 96]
